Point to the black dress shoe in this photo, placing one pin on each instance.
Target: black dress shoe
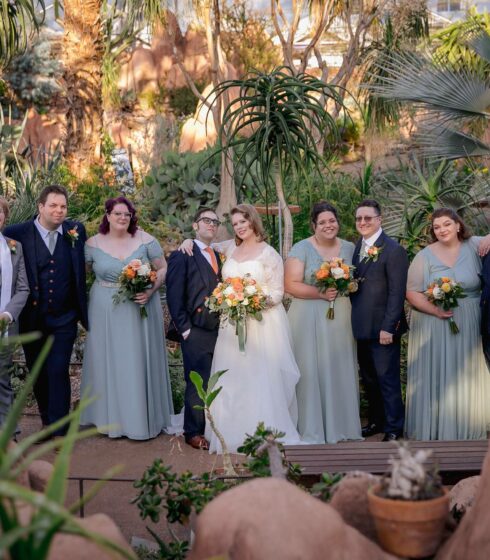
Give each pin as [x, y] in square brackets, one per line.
[390, 436]
[370, 430]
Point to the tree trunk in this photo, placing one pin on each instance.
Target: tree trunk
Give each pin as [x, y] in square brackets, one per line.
[82, 57]
[287, 241]
[227, 198]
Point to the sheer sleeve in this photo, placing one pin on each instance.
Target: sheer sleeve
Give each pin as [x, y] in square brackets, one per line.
[298, 251]
[415, 280]
[224, 247]
[154, 250]
[89, 253]
[274, 275]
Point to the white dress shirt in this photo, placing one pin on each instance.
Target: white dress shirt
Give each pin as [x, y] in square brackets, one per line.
[44, 233]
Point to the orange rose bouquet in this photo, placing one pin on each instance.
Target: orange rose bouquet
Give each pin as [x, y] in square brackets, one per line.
[236, 299]
[445, 292]
[336, 274]
[135, 277]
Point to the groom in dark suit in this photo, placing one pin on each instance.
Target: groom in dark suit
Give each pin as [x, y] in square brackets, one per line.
[378, 321]
[485, 308]
[54, 258]
[190, 279]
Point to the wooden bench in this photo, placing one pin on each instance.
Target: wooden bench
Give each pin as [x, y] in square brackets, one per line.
[456, 459]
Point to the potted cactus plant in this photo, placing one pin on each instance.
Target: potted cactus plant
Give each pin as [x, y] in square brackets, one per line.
[410, 506]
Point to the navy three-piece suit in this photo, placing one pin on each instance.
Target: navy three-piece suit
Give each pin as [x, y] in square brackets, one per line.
[57, 301]
[485, 308]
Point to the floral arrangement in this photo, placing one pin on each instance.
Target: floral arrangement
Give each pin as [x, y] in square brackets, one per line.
[372, 253]
[12, 243]
[335, 273]
[135, 277]
[445, 292]
[73, 235]
[236, 299]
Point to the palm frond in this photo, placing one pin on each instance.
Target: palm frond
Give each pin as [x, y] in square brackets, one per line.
[447, 143]
[480, 43]
[446, 92]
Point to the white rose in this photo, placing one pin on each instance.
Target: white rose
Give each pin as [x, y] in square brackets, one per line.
[144, 270]
[337, 273]
[228, 291]
[229, 303]
[250, 290]
[437, 293]
[245, 301]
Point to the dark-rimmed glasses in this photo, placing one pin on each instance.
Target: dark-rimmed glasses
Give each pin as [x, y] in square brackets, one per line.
[209, 221]
[367, 219]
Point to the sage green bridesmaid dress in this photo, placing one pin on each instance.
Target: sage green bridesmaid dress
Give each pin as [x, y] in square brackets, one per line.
[448, 383]
[325, 351]
[125, 362]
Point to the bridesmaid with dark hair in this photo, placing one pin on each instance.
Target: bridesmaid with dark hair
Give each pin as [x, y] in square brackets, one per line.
[448, 384]
[328, 391]
[125, 362]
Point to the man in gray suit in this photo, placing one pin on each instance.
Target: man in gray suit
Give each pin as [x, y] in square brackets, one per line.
[14, 292]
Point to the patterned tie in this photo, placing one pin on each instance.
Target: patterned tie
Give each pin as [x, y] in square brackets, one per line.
[212, 256]
[52, 241]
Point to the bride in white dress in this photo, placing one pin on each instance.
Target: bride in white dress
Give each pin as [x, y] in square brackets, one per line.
[260, 383]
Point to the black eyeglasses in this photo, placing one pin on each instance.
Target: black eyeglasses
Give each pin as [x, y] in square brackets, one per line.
[209, 221]
[367, 219]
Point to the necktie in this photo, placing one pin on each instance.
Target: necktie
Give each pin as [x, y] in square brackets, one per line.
[362, 252]
[52, 241]
[212, 256]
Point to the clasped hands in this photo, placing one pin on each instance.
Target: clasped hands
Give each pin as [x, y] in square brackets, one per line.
[143, 297]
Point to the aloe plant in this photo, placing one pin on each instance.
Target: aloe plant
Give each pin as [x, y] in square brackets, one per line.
[276, 123]
[49, 513]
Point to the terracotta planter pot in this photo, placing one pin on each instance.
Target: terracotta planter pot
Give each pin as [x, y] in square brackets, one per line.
[409, 529]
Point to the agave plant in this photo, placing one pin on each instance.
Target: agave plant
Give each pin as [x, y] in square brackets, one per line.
[49, 515]
[411, 193]
[275, 125]
[450, 99]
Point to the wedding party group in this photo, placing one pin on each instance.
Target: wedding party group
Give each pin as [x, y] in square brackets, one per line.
[297, 370]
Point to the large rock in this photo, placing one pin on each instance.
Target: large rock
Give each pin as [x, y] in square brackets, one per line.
[79, 548]
[39, 474]
[351, 501]
[472, 537]
[268, 518]
[462, 495]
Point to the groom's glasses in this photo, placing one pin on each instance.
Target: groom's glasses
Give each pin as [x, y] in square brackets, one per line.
[209, 221]
[367, 219]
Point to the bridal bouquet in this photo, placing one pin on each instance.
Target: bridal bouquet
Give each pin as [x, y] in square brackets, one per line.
[135, 277]
[335, 273]
[445, 292]
[236, 299]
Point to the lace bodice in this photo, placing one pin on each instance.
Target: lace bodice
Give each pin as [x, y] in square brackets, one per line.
[267, 269]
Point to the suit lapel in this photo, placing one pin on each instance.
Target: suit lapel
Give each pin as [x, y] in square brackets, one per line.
[364, 266]
[30, 252]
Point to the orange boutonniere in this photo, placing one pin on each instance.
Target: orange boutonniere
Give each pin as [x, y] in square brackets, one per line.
[73, 235]
[12, 246]
[222, 259]
[372, 253]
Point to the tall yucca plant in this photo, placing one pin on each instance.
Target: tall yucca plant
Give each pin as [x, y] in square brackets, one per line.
[451, 100]
[18, 18]
[274, 125]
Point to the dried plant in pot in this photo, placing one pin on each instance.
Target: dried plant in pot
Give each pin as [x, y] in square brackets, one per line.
[410, 506]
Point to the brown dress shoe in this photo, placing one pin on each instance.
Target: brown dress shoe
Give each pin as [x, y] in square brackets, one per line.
[198, 442]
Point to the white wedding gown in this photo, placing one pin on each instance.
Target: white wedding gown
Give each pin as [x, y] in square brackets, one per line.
[260, 384]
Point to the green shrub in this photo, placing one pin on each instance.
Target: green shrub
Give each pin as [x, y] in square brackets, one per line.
[180, 185]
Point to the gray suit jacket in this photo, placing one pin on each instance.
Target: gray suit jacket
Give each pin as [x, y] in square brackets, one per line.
[20, 284]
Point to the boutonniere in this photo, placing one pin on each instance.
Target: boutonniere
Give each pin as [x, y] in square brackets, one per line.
[222, 259]
[13, 246]
[372, 253]
[73, 235]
